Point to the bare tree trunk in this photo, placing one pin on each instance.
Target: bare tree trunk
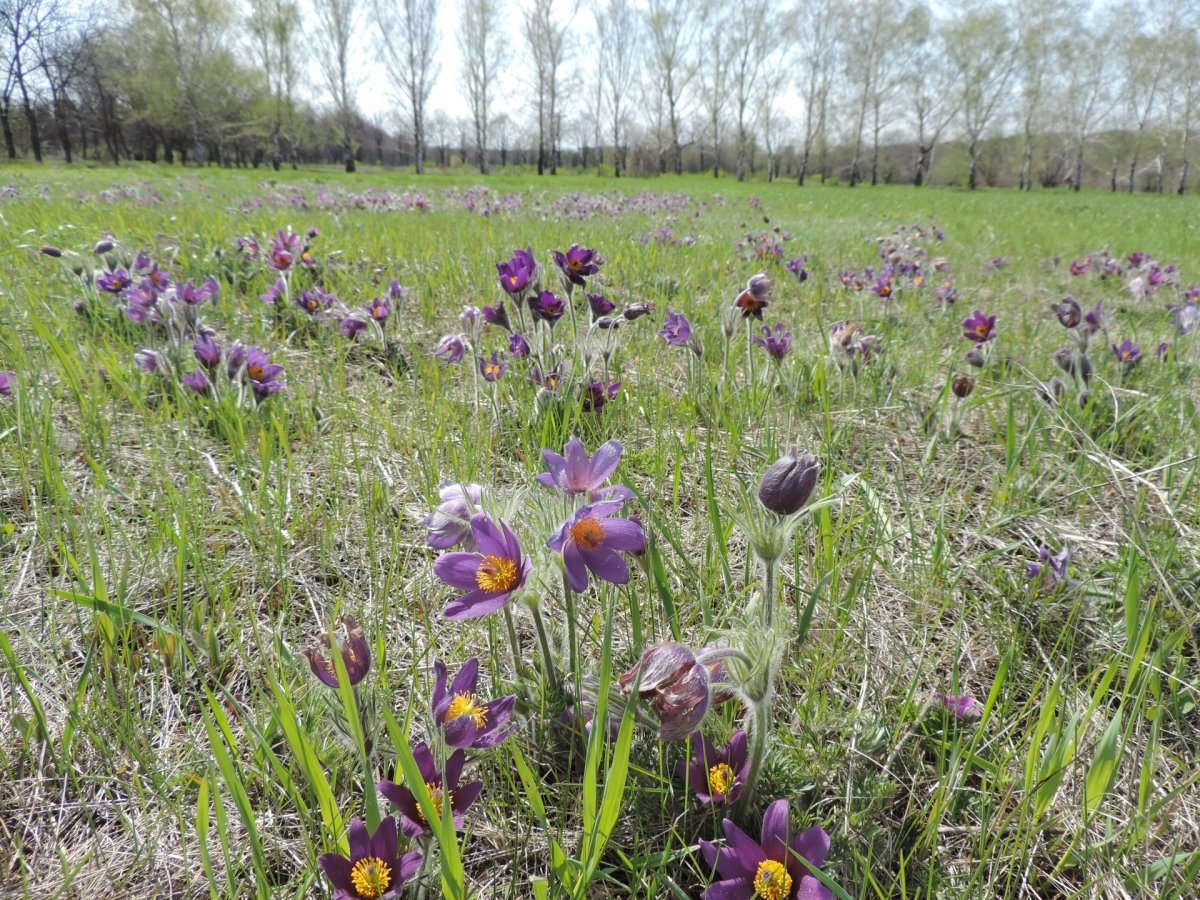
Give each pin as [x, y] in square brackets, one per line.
[973, 177]
[1114, 176]
[35, 137]
[6, 125]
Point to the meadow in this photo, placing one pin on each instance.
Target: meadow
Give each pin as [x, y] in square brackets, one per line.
[957, 626]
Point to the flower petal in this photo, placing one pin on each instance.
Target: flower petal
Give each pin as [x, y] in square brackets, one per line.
[383, 841]
[468, 675]
[623, 534]
[488, 536]
[337, 870]
[474, 605]
[440, 698]
[775, 831]
[607, 563]
[732, 889]
[359, 840]
[742, 856]
[576, 573]
[604, 461]
[457, 569]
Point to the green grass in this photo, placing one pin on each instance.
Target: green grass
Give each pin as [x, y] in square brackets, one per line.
[163, 558]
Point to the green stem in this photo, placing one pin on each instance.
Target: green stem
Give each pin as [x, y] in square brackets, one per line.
[548, 669]
[759, 725]
[769, 589]
[572, 638]
[518, 662]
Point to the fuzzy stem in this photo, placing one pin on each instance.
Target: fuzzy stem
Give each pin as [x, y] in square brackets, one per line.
[572, 638]
[548, 670]
[769, 587]
[759, 723]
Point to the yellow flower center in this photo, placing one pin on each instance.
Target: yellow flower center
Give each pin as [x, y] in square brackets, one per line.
[370, 876]
[587, 533]
[983, 329]
[772, 881]
[438, 798]
[720, 779]
[492, 370]
[496, 574]
[467, 704]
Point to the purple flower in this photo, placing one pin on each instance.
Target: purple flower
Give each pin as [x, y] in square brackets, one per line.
[442, 787]
[277, 290]
[396, 293]
[497, 315]
[770, 868]
[548, 381]
[352, 326]
[635, 311]
[197, 381]
[379, 309]
[1186, 316]
[1163, 351]
[601, 305]
[1127, 352]
[193, 294]
[1049, 571]
[596, 394]
[284, 249]
[489, 575]
[247, 246]
[592, 539]
[575, 474]
[675, 685]
[114, 282]
[961, 706]
[493, 369]
[755, 298]
[777, 342]
[1095, 320]
[518, 347]
[796, 267]
[262, 374]
[450, 523]
[676, 330]
[789, 482]
[1138, 259]
[375, 870]
[450, 348]
[146, 360]
[946, 292]
[882, 288]
[979, 328]
[716, 776]
[312, 301]
[207, 351]
[1068, 312]
[7, 381]
[517, 273]
[997, 262]
[577, 264]
[313, 231]
[547, 306]
[465, 720]
[354, 650]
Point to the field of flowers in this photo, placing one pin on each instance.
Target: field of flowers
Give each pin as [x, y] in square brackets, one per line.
[368, 538]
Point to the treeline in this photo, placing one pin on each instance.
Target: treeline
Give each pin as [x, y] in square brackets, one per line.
[1021, 92]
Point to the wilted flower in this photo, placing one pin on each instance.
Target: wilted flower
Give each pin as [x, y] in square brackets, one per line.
[450, 348]
[716, 776]
[577, 264]
[593, 539]
[517, 273]
[600, 305]
[1127, 352]
[675, 684]
[574, 473]
[465, 720]
[961, 706]
[355, 651]
[489, 575]
[755, 298]
[771, 868]
[789, 482]
[777, 342]
[450, 523]
[442, 787]
[375, 870]
[596, 394]
[492, 369]
[197, 381]
[676, 330]
[979, 328]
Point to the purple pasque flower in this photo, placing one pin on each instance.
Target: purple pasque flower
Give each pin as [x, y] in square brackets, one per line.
[577, 264]
[8, 380]
[575, 473]
[961, 706]
[352, 326]
[313, 301]
[518, 347]
[517, 273]
[450, 523]
[1137, 259]
[489, 574]
[755, 297]
[354, 650]
[497, 315]
[145, 359]
[550, 380]
[600, 305]
[207, 351]
[114, 282]
[596, 394]
[1186, 316]
[379, 309]
[797, 268]
[375, 869]
[675, 685]
[1049, 571]
[946, 292]
[274, 293]
[141, 300]
[1127, 352]
[676, 330]
[465, 720]
[451, 348]
[1069, 313]
[442, 787]
[261, 373]
[247, 246]
[716, 776]
[770, 868]
[777, 342]
[492, 369]
[593, 539]
[194, 294]
[197, 381]
[1096, 319]
[882, 288]
[979, 328]
[548, 307]
[1163, 351]
[635, 311]
[284, 249]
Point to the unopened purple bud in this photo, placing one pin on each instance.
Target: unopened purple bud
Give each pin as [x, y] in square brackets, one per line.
[103, 247]
[789, 482]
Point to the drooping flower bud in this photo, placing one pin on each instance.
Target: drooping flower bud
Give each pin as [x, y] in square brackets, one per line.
[356, 654]
[789, 482]
[51, 251]
[103, 247]
[962, 386]
[675, 685]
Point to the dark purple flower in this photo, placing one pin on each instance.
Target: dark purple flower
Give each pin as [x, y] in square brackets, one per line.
[375, 870]
[518, 347]
[277, 290]
[313, 301]
[771, 868]
[354, 649]
[517, 273]
[600, 305]
[465, 720]
[549, 381]
[352, 326]
[576, 474]
[961, 706]
[1163, 351]
[497, 315]
[194, 294]
[379, 309]
[450, 348]
[675, 685]
[1049, 571]
[197, 381]
[979, 328]
[207, 351]
[789, 482]
[442, 787]
[492, 369]
[1095, 319]
[1081, 268]
[1069, 312]
[114, 282]
[635, 311]
[755, 298]
[547, 306]
[489, 575]
[716, 776]
[7, 381]
[946, 292]
[146, 360]
[103, 246]
[777, 342]
[1138, 259]
[1127, 352]
[676, 330]
[450, 523]
[796, 267]
[577, 264]
[593, 539]
[284, 249]
[50, 251]
[596, 394]
[313, 231]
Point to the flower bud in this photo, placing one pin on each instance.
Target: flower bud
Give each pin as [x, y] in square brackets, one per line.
[356, 654]
[675, 685]
[789, 482]
[103, 247]
[962, 386]
[52, 252]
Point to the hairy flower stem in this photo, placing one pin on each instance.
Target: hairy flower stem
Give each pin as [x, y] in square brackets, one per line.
[758, 725]
[572, 637]
[769, 567]
[548, 670]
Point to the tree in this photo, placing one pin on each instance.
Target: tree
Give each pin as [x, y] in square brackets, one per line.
[22, 22]
[408, 38]
[933, 101]
[672, 27]
[1144, 58]
[817, 47]
[751, 42]
[60, 56]
[714, 75]
[546, 36]
[336, 21]
[274, 27]
[618, 48]
[1085, 58]
[1187, 86]
[480, 46]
